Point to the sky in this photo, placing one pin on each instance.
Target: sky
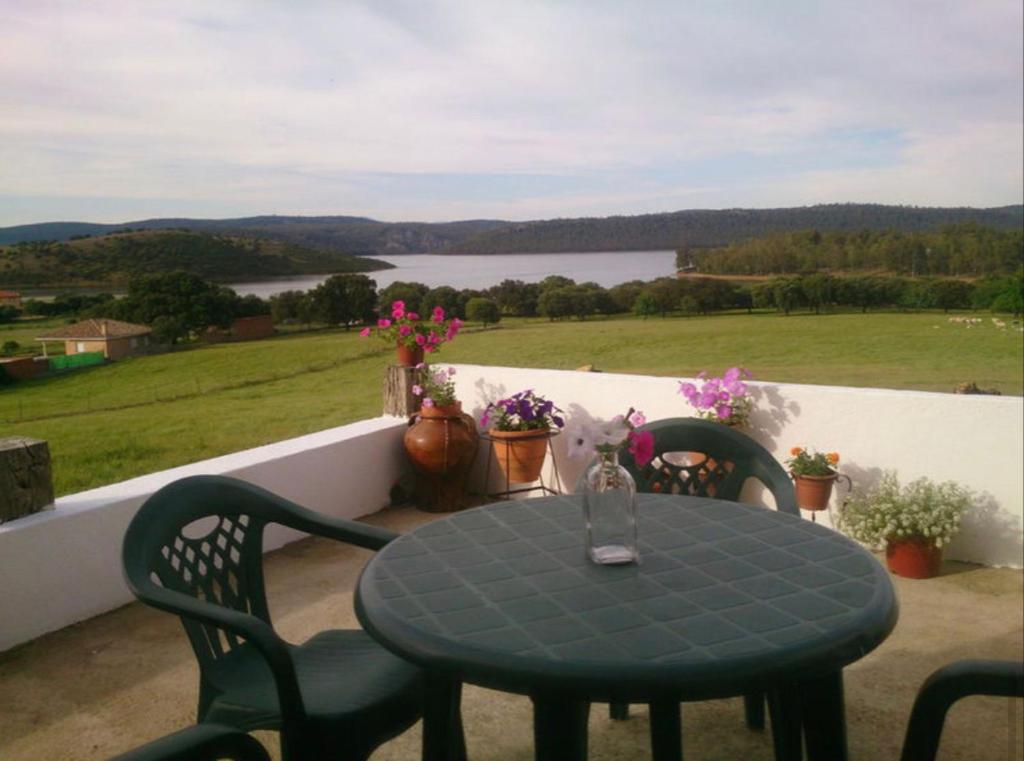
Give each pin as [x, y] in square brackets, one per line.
[435, 111]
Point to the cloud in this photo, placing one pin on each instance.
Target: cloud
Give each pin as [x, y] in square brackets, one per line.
[595, 107]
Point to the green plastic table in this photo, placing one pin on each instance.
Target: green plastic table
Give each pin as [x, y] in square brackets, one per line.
[726, 598]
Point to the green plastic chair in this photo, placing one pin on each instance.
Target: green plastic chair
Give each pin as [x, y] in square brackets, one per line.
[730, 459]
[201, 742]
[736, 457]
[948, 685]
[338, 695]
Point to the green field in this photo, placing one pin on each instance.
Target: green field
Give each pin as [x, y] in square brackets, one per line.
[109, 423]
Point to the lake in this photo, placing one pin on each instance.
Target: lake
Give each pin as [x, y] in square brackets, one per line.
[606, 268]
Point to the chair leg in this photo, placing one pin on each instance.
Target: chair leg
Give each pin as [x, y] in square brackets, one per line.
[666, 731]
[753, 708]
[618, 711]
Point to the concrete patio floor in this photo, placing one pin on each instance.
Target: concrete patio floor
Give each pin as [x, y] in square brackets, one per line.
[108, 684]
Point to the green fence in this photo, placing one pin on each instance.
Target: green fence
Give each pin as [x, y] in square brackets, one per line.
[71, 361]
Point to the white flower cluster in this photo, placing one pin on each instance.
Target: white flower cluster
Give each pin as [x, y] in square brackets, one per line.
[922, 509]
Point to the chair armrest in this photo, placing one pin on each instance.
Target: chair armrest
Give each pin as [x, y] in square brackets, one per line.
[245, 625]
[293, 515]
[946, 686]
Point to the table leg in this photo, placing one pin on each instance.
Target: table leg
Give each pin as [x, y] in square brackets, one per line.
[560, 728]
[443, 739]
[666, 731]
[784, 708]
[823, 716]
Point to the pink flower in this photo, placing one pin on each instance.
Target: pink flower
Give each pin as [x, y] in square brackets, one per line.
[438, 314]
[383, 323]
[420, 339]
[688, 390]
[641, 446]
[398, 314]
[427, 402]
[412, 316]
[421, 365]
[404, 330]
[732, 375]
[417, 389]
[398, 306]
[724, 411]
[637, 419]
[433, 338]
[365, 332]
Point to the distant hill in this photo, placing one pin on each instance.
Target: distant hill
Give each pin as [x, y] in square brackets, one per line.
[113, 259]
[355, 235]
[694, 228]
[708, 228]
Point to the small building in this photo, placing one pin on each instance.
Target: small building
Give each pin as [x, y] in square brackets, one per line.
[114, 338]
[252, 328]
[23, 368]
[10, 299]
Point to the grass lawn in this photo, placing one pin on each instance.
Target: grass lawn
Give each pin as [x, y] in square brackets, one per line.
[109, 423]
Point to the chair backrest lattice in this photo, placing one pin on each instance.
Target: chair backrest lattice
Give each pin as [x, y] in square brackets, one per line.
[221, 565]
[703, 458]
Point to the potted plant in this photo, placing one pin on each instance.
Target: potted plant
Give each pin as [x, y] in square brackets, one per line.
[913, 523]
[724, 399]
[413, 336]
[813, 474]
[519, 428]
[441, 444]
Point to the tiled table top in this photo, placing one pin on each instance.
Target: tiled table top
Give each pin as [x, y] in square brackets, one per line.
[725, 596]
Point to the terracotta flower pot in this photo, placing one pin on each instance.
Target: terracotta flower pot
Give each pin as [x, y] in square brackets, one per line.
[441, 445]
[520, 454]
[914, 558]
[814, 492]
[409, 356]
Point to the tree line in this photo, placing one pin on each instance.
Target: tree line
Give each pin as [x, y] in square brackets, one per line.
[961, 250]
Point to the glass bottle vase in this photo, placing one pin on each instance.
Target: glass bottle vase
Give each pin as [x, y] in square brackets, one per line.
[609, 508]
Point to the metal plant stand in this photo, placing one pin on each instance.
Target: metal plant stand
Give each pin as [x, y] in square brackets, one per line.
[540, 486]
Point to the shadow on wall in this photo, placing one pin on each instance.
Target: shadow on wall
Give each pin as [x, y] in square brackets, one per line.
[771, 414]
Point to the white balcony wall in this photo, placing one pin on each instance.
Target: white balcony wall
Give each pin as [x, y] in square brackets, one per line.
[64, 564]
[977, 441]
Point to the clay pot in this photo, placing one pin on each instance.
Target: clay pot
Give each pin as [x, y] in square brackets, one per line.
[913, 558]
[813, 492]
[520, 454]
[441, 445]
[408, 356]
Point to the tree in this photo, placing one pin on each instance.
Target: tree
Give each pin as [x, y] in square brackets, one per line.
[409, 292]
[516, 297]
[9, 349]
[555, 281]
[646, 305]
[8, 314]
[445, 297]
[287, 306]
[555, 303]
[344, 299]
[483, 310]
[186, 302]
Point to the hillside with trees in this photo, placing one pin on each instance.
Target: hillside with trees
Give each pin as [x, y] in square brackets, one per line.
[962, 250]
[697, 228]
[116, 259]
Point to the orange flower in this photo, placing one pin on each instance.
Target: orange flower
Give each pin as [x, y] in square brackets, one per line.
[832, 457]
[795, 451]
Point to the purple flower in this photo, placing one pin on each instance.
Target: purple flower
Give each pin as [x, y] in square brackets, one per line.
[688, 390]
[417, 390]
[724, 411]
[428, 402]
